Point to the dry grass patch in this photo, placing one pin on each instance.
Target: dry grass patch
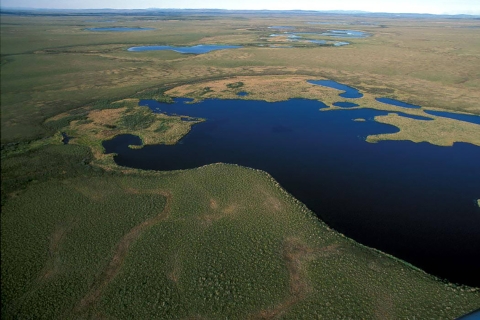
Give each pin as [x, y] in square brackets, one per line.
[268, 88]
[440, 131]
[106, 117]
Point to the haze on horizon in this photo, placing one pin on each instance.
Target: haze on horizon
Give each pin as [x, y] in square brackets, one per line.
[391, 6]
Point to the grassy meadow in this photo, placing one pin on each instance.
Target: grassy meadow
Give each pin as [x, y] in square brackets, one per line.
[85, 239]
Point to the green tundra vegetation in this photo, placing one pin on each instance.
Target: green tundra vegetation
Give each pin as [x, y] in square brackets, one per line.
[84, 238]
[214, 242]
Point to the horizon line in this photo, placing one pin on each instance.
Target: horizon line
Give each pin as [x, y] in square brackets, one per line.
[224, 9]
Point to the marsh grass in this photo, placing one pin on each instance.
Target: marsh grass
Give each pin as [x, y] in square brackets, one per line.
[235, 85]
[137, 120]
[440, 131]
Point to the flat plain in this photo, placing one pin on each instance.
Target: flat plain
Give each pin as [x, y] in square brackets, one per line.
[85, 238]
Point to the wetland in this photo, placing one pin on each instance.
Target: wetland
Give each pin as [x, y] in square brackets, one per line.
[391, 195]
[86, 238]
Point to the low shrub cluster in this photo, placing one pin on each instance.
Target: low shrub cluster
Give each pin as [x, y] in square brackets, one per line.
[235, 85]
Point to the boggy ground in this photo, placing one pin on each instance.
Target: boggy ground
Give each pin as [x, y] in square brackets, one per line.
[50, 65]
[214, 242]
[439, 131]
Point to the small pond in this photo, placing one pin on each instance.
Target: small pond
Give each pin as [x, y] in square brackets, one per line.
[397, 103]
[411, 116]
[415, 201]
[198, 49]
[349, 91]
[65, 138]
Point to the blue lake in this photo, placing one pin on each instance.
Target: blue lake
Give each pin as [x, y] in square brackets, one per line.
[349, 91]
[415, 201]
[397, 103]
[242, 94]
[118, 29]
[198, 49]
[457, 116]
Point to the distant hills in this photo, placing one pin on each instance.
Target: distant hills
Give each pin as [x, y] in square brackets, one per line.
[169, 12]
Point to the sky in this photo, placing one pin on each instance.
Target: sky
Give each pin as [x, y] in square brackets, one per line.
[396, 6]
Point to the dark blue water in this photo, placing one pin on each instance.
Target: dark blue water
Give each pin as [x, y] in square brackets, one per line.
[457, 116]
[475, 315]
[415, 201]
[199, 49]
[242, 94]
[118, 29]
[397, 103]
[158, 107]
[121, 142]
[344, 104]
[65, 138]
[349, 91]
